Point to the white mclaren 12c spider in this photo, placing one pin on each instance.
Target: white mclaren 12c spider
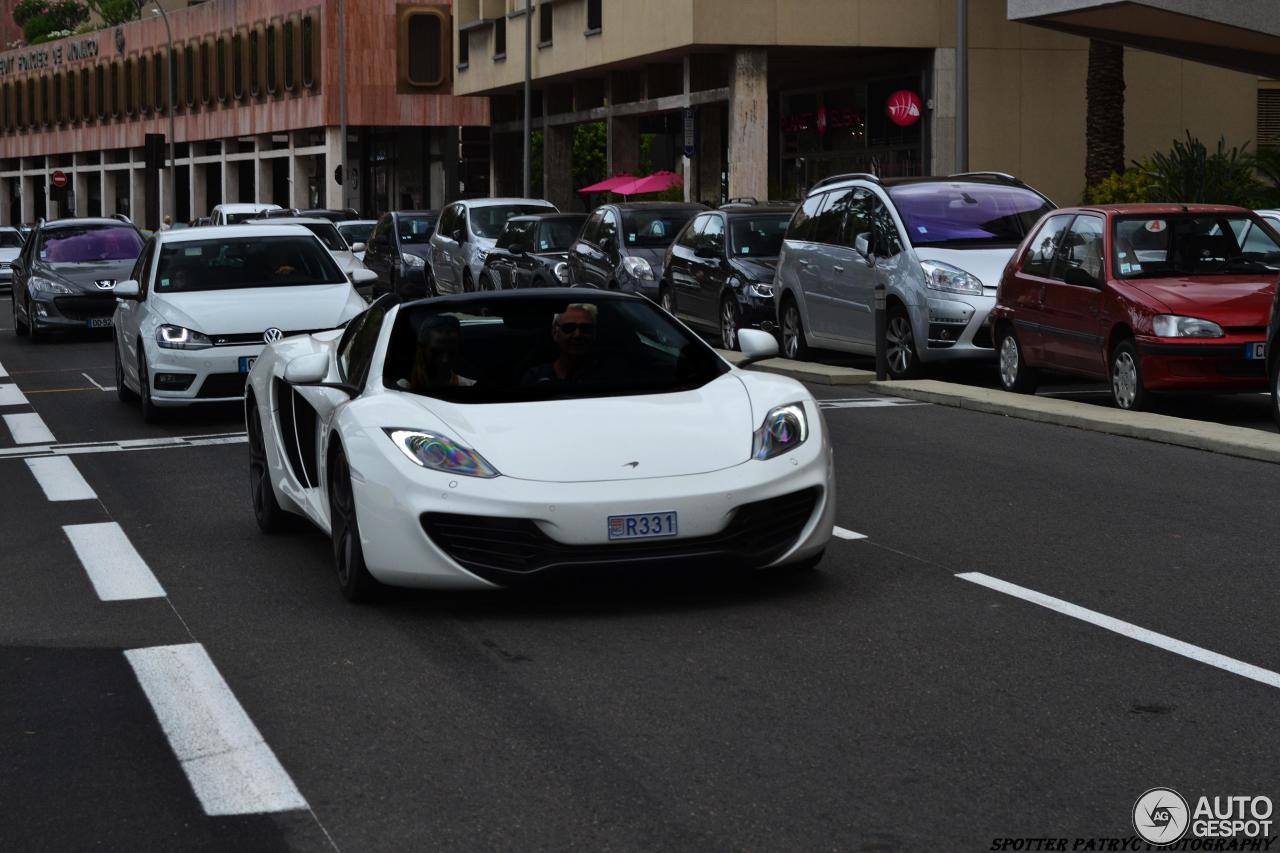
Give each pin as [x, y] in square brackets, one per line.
[479, 440]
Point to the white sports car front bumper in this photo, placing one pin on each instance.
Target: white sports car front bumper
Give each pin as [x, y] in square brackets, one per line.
[427, 529]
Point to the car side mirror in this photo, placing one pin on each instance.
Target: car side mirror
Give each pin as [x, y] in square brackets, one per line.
[307, 369]
[606, 243]
[708, 252]
[756, 346]
[862, 245]
[359, 277]
[128, 289]
[358, 247]
[1077, 276]
[458, 234]
[517, 249]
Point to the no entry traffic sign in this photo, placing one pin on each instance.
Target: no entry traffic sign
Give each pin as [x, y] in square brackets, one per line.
[59, 179]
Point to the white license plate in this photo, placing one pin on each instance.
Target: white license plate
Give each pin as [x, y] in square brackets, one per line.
[1255, 352]
[648, 525]
[98, 322]
[246, 363]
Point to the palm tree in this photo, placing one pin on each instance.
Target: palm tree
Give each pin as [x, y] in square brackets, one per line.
[1104, 112]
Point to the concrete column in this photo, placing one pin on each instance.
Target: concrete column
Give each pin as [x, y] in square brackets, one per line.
[28, 198]
[749, 123]
[199, 197]
[299, 176]
[138, 196]
[710, 161]
[108, 193]
[263, 185]
[333, 192]
[942, 118]
[228, 192]
[80, 183]
[623, 140]
[6, 201]
[557, 165]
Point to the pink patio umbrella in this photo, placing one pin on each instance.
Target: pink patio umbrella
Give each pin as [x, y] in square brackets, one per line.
[655, 183]
[608, 184]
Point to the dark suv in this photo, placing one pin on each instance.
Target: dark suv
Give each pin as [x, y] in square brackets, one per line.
[621, 247]
[397, 252]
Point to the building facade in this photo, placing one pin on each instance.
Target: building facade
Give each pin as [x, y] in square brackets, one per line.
[258, 111]
[769, 96]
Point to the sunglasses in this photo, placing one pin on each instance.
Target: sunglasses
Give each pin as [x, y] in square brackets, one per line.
[570, 328]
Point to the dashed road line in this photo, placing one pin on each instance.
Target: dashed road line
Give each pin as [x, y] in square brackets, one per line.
[95, 384]
[60, 479]
[11, 395]
[114, 566]
[50, 448]
[28, 428]
[229, 765]
[1127, 629]
[841, 533]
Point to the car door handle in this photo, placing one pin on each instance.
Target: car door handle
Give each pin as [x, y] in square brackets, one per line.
[837, 268]
[803, 262]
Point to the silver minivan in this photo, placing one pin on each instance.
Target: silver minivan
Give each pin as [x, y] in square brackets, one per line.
[937, 244]
[464, 236]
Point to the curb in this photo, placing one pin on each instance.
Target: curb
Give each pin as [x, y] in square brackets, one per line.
[1215, 438]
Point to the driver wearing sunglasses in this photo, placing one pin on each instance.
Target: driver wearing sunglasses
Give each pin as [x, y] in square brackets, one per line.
[574, 333]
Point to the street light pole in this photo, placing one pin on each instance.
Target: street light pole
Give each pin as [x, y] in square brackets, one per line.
[962, 85]
[528, 90]
[173, 160]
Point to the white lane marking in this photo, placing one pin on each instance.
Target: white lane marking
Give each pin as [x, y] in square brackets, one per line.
[11, 395]
[841, 533]
[115, 568]
[27, 429]
[3, 372]
[230, 767]
[95, 384]
[60, 479]
[868, 402]
[73, 449]
[1127, 629]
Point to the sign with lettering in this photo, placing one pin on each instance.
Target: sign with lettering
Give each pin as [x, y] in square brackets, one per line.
[46, 56]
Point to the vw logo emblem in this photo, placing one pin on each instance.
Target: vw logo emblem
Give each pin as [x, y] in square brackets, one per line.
[272, 335]
[105, 283]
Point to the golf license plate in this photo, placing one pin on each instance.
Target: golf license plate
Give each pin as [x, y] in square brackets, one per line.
[1255, 352]
[246, 363]
[98, 322]
[648, 525]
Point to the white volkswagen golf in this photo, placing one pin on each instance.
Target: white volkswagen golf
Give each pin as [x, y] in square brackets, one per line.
[202, 302]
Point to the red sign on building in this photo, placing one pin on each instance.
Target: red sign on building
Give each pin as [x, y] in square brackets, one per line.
[59, 179]
[904, 108]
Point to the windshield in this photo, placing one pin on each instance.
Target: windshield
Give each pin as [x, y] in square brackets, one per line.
[1208, 244]
[488, 221]
[967, 215]
[653, 228]
[416, 229]
[557, 235]
[89, 243]
[10, 240]
[244, 262]
[328, 234]
[357, 232]
[538, 348]
[758, 236]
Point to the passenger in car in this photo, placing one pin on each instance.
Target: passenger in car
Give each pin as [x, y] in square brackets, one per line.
[436, 356]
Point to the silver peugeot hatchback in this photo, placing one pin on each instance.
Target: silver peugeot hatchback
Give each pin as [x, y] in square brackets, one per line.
[937, 244]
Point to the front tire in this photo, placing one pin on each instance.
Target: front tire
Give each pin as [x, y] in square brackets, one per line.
[348, 555]
[1127, 387]
[267, 511]
[493, 281]
[794, 344]
[468, 285]
[122, 390]
[150, 411]
[1015, 374]
[35, 333]
[900, 345]
[729, 323]
[20, 328]
[1275, 390]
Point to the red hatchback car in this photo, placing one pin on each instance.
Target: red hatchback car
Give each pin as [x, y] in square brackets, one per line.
[1149, 297]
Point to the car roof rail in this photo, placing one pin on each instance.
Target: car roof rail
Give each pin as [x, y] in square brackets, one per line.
[1005, 177]
[848, 176]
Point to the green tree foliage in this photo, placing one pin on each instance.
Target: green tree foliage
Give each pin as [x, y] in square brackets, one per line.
[1132, 186]
[115, 12]
[1189, 173]
[41, 18]
[1267, 163]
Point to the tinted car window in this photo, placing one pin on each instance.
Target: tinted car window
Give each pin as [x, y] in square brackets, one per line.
[355, 351]
[515, 232]
[1190, 244]
[887, 241]
[590, 231]
[415, 229]
[487, 221]
[607, 227]
[801, 227]
[557, 235]
[328, 234]
[243, 262]
[383, 229]
[233, 218]
[712, 236]
[967, 215]
[88, 243]
[758, 236]
[1045, 245]
[689, 239]
[829, 223]
[1082, 248]
[357, 232]
[653, 228]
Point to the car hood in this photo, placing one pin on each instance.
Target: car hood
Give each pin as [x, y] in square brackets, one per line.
[756, 269]
[8, 255]
[986, 264]
[1226, 300]
[418, 250]
[85, 276]
[255, 309]
[347, 261]
[565, 441]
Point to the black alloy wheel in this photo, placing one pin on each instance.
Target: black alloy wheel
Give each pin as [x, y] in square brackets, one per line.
[900, 345]
[267, 511]
[19, 328]
[35, 333]
[729, 322]
[794, 344]
[348, 555]
[122, 390]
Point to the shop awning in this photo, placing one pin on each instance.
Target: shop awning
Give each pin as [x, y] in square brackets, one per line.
[655, 183]
[608, 184]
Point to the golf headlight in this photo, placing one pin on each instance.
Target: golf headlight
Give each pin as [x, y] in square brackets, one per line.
[784, 428]
[940, 276]
[412, 260]
[562, 272]
[177, 337]
[44, 285]
[440, 453]
[1173, 326]
[638, 268]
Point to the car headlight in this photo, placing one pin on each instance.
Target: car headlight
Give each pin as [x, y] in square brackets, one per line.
[440, 453]
[784, 428]
[562, 272]
[177, 337]
[1173, 326]
[638, 268]
[481, 254]
[412, 261]
[940, 276]
[760, 289]
[44, 285]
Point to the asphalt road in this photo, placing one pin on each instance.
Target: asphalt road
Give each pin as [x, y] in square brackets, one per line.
[881, 703]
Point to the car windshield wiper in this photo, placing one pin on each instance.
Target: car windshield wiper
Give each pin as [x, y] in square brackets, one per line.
[1240, 262]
